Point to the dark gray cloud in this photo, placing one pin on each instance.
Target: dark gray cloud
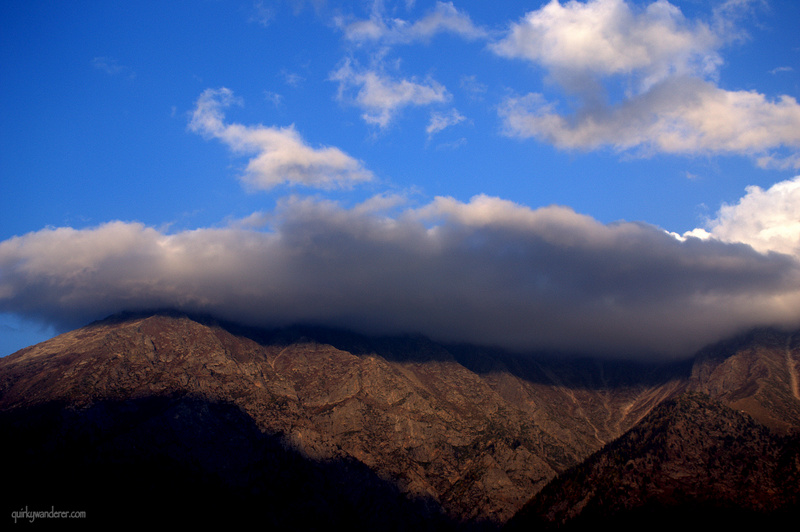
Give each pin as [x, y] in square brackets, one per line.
[488, 271]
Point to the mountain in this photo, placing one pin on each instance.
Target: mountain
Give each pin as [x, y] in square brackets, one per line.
[170, 416]
[724, 451]
[757, 373]
[691, 460]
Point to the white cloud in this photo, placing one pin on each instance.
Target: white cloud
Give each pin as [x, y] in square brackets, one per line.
[607, 37]
[443, 18]
[382, 97]
[680, 115]
[292, 78]
[441, 121]
[486, 271]
[273, 97]
[768, 220]
[781, 69]
[280, 154]
[780, 162]
[666, 65]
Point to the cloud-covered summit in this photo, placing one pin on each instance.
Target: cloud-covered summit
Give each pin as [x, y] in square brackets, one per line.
[487, 271]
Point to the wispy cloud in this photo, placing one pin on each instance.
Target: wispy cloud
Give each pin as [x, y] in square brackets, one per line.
[292, 79]
[475, 89]
[443, 18]
[273, 97]
[261, 14]
[112, 67]
[779, 70]
[281, 156]
[382, 97]
[441, 121]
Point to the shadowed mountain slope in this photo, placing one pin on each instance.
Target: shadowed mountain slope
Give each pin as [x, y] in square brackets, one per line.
[375, 427]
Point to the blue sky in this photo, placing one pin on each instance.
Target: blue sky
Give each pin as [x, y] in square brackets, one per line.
[262, 160]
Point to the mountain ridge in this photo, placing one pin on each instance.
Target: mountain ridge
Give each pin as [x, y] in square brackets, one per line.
[474, 432]
[692, 459]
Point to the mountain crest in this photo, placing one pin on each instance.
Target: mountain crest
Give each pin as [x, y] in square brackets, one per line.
[464, 435]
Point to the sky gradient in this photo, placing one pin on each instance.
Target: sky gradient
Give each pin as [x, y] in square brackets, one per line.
[612, 177]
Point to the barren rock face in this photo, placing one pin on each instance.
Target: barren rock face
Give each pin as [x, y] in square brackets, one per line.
[463, 434]
[691, 460]
[757, 373]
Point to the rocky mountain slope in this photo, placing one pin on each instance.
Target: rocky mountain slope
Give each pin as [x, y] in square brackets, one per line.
[311, 426]
[691, 460]
[757, 373]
